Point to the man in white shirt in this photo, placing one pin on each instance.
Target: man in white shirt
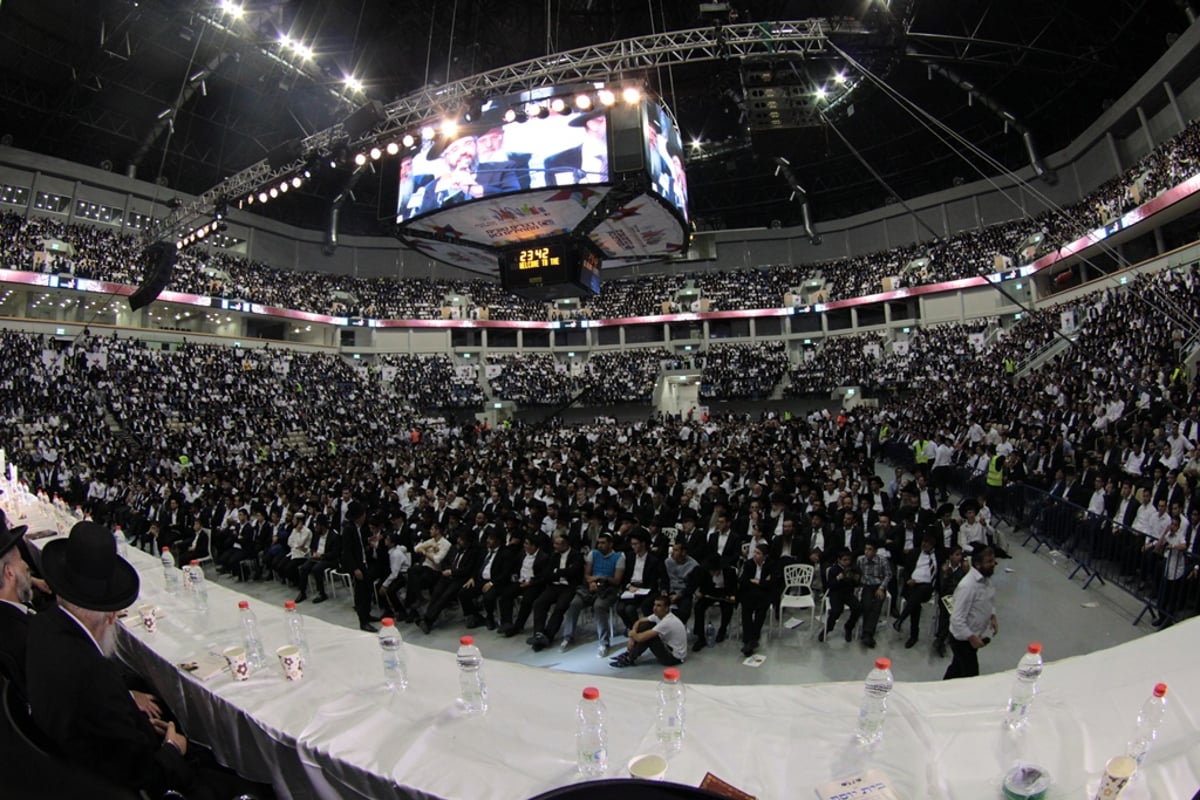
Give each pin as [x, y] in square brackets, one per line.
[662, 633]
[974, 613]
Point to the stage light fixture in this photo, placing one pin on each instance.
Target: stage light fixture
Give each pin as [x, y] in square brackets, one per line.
[631, 94]
[558, 105]
[428, 132]
[283, 187]
[232, 9]
[510, 115]
[606, 97]
[250, 199]
[583, 102]
[392, 148]
[821, 92]
[353, 83]
[543, 113]
[408, 140]
[273, 192]
[840, 78]
[449, 128]
[263, 197]
[296, 182]
[360, 159]
[532, 109]
[376, 153]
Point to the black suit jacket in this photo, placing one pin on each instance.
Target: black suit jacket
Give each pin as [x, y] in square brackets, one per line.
[79, 700]
[14, 630]
[708, 588]
[353, 549]
[653, 574]
[733, 547]
[573, 572]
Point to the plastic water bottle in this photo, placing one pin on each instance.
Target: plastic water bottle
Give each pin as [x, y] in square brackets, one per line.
[254, 648]
[195, 582]
[874, 704]
[1148, 722]
[391, 646]
[591, 740]
[295, 624]
[170, 574]
[1029, 669]
[472, 687]
[122, 542]
[669, 723]
[710, 634]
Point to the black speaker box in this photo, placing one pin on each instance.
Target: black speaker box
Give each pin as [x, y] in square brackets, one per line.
[158, 262]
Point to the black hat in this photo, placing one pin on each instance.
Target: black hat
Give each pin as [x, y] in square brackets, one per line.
[9, 536]
[780, 497]
[968, 505]
[85, 569]
[945, 508]
[582, 119]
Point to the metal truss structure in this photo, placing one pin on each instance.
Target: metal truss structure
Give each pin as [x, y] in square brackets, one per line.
[625, 59]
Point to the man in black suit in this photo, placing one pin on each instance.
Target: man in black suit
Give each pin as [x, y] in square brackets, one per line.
[16, 592]
[460, 565]
[497, 568]
[77, 695]
[566, 575]
[354, 563]
[718, 586]
[644, 572]
[756, 592]
[921, 570]
[586, 162]
[532, 574]
[724, 541]
[841, 581]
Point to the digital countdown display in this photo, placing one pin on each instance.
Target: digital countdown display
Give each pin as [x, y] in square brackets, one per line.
[538, 258]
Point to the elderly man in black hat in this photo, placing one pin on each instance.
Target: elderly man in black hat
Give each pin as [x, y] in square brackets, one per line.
[77, 695]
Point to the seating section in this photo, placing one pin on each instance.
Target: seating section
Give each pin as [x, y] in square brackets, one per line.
[106, 255]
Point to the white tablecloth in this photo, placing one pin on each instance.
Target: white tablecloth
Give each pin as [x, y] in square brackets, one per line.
[339, 733]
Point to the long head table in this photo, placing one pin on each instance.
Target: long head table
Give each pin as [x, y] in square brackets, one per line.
[338, 733]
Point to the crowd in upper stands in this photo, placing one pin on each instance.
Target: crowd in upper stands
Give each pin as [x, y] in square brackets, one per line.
[747, 371]
[104, 254]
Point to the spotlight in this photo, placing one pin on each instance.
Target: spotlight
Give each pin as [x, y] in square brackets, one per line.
[232, 9]
[558, 105]
[583, 102]
[543, 112]
[840, 78]
[283, 186]
[273, 192]
[532, 109]
[179, 245]
[360, 159]
[250, 199]
[202, 232]
[449, 128]
[296, 181]
[263, 197]
[285, 40]
[408, 140]
[606, 97]
[376, 153]
[510, 115]
[392, 148]
[821, 92]
[353, 83]
[631, 94]
[428, 132]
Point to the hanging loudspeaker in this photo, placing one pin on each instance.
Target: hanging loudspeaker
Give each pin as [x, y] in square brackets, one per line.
[158, 261]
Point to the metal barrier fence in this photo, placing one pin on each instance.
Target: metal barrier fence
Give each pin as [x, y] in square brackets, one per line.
[1162, 574]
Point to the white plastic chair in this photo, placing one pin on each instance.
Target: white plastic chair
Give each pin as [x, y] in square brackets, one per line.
[797, 592]
[332, 576]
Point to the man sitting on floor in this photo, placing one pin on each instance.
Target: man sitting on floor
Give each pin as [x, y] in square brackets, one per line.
[662, 633]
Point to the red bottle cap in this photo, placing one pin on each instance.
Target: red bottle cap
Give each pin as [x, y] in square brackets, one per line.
[166, 550]
[195, 562]
[883, 663]
[243, 604]
[289, 604]
[387, 622]
[591, 693]
[671, 674]
[1035, 647]
[466, 640]
[1160, 690]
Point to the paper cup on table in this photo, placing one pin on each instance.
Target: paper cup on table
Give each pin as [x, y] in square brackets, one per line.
[238, 665]
[1117, 773]
[148, 618]
[648, 767]
[290, 659]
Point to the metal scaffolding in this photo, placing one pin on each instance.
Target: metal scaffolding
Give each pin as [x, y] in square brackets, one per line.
[625, 59]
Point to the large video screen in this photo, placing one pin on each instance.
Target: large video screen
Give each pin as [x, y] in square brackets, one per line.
[664, 157]
[493, 159]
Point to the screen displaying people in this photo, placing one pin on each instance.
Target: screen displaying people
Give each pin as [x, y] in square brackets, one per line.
[496, 158]
[664, 157]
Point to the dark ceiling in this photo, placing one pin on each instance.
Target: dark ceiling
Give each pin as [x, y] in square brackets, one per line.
[87, 80]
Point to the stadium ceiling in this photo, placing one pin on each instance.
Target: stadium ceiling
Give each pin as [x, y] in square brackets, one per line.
[194, 94]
